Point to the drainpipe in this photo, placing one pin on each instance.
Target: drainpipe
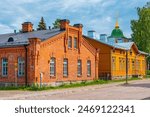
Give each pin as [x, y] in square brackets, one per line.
[147, 64]
[26, 65]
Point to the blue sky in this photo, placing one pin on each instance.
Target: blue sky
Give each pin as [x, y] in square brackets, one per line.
[98, 15]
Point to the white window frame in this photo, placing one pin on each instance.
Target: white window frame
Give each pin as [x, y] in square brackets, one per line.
[79, 67]
[65, 67]
[75, 43]
[70, 42]
[21, 66]
[53, 66]
[88, 67]
[4, 66]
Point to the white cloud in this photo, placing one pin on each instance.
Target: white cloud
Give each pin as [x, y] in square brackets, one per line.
[5, 29]
[94, 14]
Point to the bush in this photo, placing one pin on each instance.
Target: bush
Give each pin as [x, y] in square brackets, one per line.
[148, 72]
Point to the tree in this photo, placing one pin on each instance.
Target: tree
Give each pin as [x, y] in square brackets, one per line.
[141, 28]
[56, 24]
[42, 24]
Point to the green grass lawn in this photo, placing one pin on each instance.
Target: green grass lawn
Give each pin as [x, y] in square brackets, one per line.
[73, 85]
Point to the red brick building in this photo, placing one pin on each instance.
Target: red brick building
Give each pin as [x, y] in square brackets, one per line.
[57, 55]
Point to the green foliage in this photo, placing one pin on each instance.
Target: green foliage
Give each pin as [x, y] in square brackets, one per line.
[42, 24]
[36, 87]
[141, 28]
[56, 24]
[148, 72]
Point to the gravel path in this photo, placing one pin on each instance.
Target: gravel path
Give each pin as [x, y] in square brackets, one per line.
[139, 89]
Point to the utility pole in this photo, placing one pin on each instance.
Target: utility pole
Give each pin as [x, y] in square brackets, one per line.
[126, 67]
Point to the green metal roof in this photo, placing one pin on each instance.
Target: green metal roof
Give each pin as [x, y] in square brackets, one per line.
[117, 33]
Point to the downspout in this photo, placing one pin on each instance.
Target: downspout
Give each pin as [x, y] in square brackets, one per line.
[146, 64]
[26, 65]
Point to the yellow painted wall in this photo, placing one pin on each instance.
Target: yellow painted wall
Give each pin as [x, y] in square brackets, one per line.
[136, 63]
[108, 54]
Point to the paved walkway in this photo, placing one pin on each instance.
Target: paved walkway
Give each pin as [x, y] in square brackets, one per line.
[117, 91]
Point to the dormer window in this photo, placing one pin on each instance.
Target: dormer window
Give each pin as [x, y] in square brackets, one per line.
[10, 39]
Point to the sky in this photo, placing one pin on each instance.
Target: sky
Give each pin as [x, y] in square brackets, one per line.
[98, 15]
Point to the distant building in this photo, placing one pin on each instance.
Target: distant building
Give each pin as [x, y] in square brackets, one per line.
[112, 55]
[117, 35]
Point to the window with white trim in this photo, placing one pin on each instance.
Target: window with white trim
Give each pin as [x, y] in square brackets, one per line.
[75, 43]
[52, 66]
[70, 42]
[4, 67]
[88, 68]
[21, 66]
[79, 67]
[65, 67]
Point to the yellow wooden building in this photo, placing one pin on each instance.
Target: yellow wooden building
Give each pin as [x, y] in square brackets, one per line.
[114, 57]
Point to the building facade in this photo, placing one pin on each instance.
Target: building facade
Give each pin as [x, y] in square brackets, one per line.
[112, 60]
[54, 56]
[47, 56]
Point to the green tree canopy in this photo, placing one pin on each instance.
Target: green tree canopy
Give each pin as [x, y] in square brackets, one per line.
[42, 24]
[141, 28]
[56, 24]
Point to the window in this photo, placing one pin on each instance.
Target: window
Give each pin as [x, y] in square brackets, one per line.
[88, 68]
[65, 67]
[75, 43]
[143, 65]
[53, 66]
[79, 68]
[130, 52]
[124, 64]
[133, 65]
[4, 67]
[114, 63]
[21, 66]
[120, 64]
[138, 65]
[128, 64]
[70, 42]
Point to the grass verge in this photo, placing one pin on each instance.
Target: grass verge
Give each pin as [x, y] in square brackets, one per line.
[36, 87]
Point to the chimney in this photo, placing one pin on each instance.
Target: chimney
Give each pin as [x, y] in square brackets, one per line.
[64, 23]
[49, 27]
[27, 27]
[78, 25]
[92, 34]
[15, 31]
[103, 37]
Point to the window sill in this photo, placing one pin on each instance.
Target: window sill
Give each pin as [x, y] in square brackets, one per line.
[75, 49]
[79, 75]
[88, 75]
[69, 48]
[65, 76]
[21, 76]
[4, 76]
[53, 77]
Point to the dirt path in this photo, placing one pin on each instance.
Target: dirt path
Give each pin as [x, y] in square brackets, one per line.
[135, 90]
